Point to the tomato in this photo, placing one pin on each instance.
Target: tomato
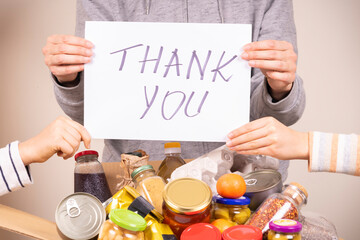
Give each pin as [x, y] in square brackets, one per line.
[231, 185]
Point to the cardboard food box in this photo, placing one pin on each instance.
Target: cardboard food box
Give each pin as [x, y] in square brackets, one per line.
[40, 228]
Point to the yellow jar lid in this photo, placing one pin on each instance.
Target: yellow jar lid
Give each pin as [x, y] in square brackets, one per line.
[172, 145]
[187, 195]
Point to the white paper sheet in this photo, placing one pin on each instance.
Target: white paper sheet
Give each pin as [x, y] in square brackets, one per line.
[166, 81]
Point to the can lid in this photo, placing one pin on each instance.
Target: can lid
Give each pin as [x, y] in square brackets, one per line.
[140, 169]
[201, 231]
[285, 225]
[261, 180]
[127, 219]
[87, 152]
[243, 200]
[80, 216]
[187, 195]
[245, 232]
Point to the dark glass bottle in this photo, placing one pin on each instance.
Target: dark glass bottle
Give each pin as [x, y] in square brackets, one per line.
[89, 175]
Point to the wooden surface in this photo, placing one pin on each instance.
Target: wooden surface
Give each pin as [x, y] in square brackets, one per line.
[27, 224]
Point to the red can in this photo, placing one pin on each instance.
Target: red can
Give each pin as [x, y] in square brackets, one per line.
[244, 232]
[201, 231]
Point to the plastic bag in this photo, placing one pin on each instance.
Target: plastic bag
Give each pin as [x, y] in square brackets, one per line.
[316, 227]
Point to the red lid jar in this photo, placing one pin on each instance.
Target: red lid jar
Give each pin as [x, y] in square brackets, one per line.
[201, 231]
[244, 232]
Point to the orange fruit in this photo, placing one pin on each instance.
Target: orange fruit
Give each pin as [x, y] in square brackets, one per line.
[231, 185]
[222, 224]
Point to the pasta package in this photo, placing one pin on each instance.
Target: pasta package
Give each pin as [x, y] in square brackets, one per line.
[129, 198]
[159, 231]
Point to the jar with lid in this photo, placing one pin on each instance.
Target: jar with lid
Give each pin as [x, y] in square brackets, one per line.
[236, 210]
[186, 201]
[284, 229]
[201, 231]
[172, 160]
[89, 175]
[243, 232]
[284, 205]
[149, 185]
[123, 224]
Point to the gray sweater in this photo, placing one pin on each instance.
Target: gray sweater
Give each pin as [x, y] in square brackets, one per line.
[270, 19]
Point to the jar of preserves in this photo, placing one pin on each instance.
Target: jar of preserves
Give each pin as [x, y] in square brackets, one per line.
[149, 185]
[284, 229]
[186, 201]
[243, 232]
[123, 224]
[89, 175]
[236, 210]
[172, 160]
[284, 205]
[201, 231]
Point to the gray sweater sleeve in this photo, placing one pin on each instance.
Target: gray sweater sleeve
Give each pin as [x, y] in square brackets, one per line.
[277, 24]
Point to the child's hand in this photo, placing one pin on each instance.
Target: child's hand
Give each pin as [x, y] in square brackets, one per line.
[267, 136]
[63, 137]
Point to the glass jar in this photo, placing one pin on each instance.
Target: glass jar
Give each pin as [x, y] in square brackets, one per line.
[236, 210]
[243, 232]
[285, 205]
[201, 231]
[123, 224]
[284, 229]
[149, 185]
[89, 175]
[186, 201]
[172, 160]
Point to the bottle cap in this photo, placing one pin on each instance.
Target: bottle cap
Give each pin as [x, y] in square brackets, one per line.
[172, 147]
[245, 232]
[127, 219]
[285, 225]
[140, 169]
[232, 201]
[201, 231]
[87, 152]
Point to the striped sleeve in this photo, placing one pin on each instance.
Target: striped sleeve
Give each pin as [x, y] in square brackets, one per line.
[13, 173]
[334, 153]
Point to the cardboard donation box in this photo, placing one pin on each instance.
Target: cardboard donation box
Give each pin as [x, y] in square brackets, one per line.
[40, 228]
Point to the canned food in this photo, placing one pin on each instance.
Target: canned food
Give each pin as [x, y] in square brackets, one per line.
[80, 216]
[235, 210]
[260, 185]
[186, 201]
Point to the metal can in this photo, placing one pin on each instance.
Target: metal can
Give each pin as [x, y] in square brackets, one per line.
[260, 185]
[80, 216]
[186, 201]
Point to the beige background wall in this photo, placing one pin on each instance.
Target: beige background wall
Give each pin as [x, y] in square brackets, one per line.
[329, 62]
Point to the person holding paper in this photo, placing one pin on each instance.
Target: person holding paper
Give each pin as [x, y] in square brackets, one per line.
[62, 136]
[325, 152]
[276, 89]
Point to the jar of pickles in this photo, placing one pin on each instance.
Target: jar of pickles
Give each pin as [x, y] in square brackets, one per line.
[149, 185]
[285, 205]
[284, 229]
[186, 201]
[123, 224]
[235, 210]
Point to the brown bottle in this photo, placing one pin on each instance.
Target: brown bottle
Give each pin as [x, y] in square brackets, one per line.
[172, 160]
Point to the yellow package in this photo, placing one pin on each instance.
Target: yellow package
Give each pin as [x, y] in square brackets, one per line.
[159, 231]
[129, 198]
